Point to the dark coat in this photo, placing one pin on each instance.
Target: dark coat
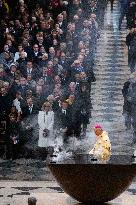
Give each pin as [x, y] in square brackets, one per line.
[127, 104]
[34, 57]
[13, 130]
[23, 90]
[64, 120]
[129, 38]
[26, 111]
[35, 73]
[5, 103]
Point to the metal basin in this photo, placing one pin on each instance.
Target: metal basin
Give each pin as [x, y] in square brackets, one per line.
[90, 182]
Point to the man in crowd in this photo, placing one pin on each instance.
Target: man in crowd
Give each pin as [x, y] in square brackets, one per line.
[129, 94]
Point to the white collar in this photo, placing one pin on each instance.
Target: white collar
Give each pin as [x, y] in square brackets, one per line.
[29, 70]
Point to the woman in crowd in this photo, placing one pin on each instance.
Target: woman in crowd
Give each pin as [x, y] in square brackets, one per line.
[46, 123]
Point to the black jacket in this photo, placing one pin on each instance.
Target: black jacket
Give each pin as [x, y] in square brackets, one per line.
[13, 130]
[64, 120]
[26, 111]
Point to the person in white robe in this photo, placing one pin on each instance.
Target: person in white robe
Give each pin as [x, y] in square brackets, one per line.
[102, 147]
[46, 123]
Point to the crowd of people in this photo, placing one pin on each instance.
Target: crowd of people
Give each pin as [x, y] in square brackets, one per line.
[129, 89]
[47, 51]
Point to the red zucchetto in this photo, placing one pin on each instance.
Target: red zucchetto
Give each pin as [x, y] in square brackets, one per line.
[98, 127]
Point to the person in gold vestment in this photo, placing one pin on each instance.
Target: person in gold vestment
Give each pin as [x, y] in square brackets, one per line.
[102, 147]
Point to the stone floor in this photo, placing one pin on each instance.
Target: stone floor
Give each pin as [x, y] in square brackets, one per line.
[24, 169]
[49, 193]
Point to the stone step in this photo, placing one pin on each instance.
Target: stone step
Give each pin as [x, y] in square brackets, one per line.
[112, 96]
[105, 109]
[110, 86]
[107, 84]
[112, 56]
[97, 71]
[107, 104]
[106, 90]
[111, 71]
[95, 90]
[108, 56]
[107, 96]
[119, 33]
[118, 103]
[119, 44]
[115, 64]
[115, 73]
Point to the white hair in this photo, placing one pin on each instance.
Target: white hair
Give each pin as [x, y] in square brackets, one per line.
[21, 1]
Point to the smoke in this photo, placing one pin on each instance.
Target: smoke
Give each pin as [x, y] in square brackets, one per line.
[64, 151]
[81, 145]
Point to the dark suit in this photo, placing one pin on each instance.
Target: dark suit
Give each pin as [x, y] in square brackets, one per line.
[13, 130]
[22, 64]
[64, 81]
[35, 56]
[76, 119]
[27, 110]
[64, 64]
[72, 121]
[23, 90]
[5, 103]
[35, 73]
[29, 127]
[64, 119]
[127, 107]
[127, 104]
